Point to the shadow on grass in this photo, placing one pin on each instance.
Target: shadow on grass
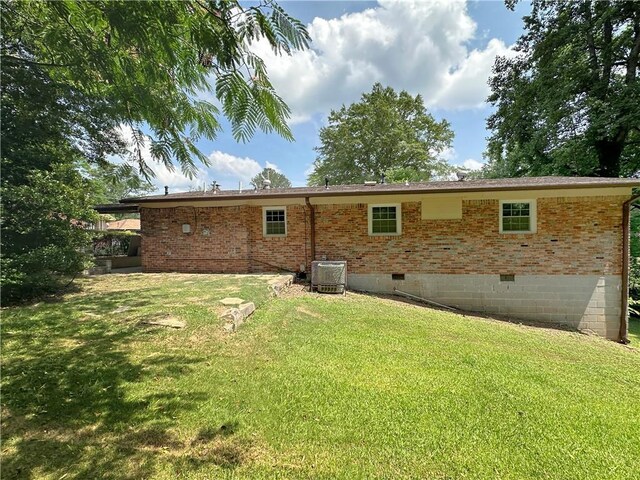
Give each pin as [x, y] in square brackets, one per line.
[66, 403]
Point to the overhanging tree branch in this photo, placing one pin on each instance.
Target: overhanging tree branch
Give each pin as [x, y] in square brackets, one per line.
[12, 58]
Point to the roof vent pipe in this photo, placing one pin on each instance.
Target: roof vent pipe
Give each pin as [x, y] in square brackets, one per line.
[166, 190]
[326, 182]
[384, 179]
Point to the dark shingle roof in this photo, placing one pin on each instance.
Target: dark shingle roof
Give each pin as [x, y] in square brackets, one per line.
[497, 184]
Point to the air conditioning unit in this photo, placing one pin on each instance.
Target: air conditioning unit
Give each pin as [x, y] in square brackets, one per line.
[329, 276]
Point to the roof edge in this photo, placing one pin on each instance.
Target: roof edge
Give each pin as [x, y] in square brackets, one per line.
[417, 191]
[122, 207]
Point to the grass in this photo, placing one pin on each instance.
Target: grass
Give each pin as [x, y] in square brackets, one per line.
[310, 387]
[634, 331]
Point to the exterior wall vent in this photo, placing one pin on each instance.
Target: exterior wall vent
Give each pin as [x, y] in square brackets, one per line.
[507, 278]
[329, 276]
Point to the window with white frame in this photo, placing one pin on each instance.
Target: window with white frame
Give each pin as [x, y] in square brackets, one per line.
[385, 219]
[274, 221]
[517, 216]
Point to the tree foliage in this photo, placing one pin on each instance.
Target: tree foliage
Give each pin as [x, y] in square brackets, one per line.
[277, 179]
[386, 133]
[44, 239]
[113, 182]
[45, 198]
[74, 73]
[569, 102]
[150, 63]
[634, 253]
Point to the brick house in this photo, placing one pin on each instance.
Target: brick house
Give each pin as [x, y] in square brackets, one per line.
[547, 249]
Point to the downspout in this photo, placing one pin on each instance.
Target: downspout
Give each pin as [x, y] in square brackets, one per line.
[623, 336]
[312, 221]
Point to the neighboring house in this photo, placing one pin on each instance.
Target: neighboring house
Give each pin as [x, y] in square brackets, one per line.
[132, 224]
[546, 249]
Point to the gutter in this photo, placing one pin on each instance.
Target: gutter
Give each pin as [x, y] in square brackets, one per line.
[312, 221]
[623, 336]
[116, 208]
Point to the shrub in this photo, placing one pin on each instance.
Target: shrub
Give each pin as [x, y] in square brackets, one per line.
[44, 239]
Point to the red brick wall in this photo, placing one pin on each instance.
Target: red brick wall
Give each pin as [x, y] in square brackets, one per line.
[288, 252]
[581, 235]
[574, 236]
[235, 242]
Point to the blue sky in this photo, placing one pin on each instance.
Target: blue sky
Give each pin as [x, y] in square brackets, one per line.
[441, 50]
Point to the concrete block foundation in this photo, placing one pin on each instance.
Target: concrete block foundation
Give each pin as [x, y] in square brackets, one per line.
[576, 301]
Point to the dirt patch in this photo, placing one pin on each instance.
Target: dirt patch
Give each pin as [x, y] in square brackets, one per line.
[226, 452]
[294, 290]
[162, 320]
[152, 439]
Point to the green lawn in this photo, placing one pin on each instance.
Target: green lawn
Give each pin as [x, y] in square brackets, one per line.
[634, 332]
[310, 387]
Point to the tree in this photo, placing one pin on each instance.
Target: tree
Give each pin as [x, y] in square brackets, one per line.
[569, 102]
[74, 73]
[43, 236]
[386, 133]
[115, 182]
[44, 198]
[148, 64]
[278, 180]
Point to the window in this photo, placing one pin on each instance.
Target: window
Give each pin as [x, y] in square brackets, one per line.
[274, 221]
[384, 219]
[517, 216]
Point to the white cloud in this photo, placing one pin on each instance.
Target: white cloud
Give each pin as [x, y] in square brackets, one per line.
[472, 164]
[449, 154]
[309, 170]
[413, 45]
[176, 180]
[467, 86]
[224, 168]
[272, 166]
[229, 166]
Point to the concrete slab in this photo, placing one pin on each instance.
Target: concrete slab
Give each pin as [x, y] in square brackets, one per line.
[234, 317]
[232, 301]
[247, 309]
[280, 283]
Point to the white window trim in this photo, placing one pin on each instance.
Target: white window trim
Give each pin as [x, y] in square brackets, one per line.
[398, 219]
[264, 221]
[533, 215]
